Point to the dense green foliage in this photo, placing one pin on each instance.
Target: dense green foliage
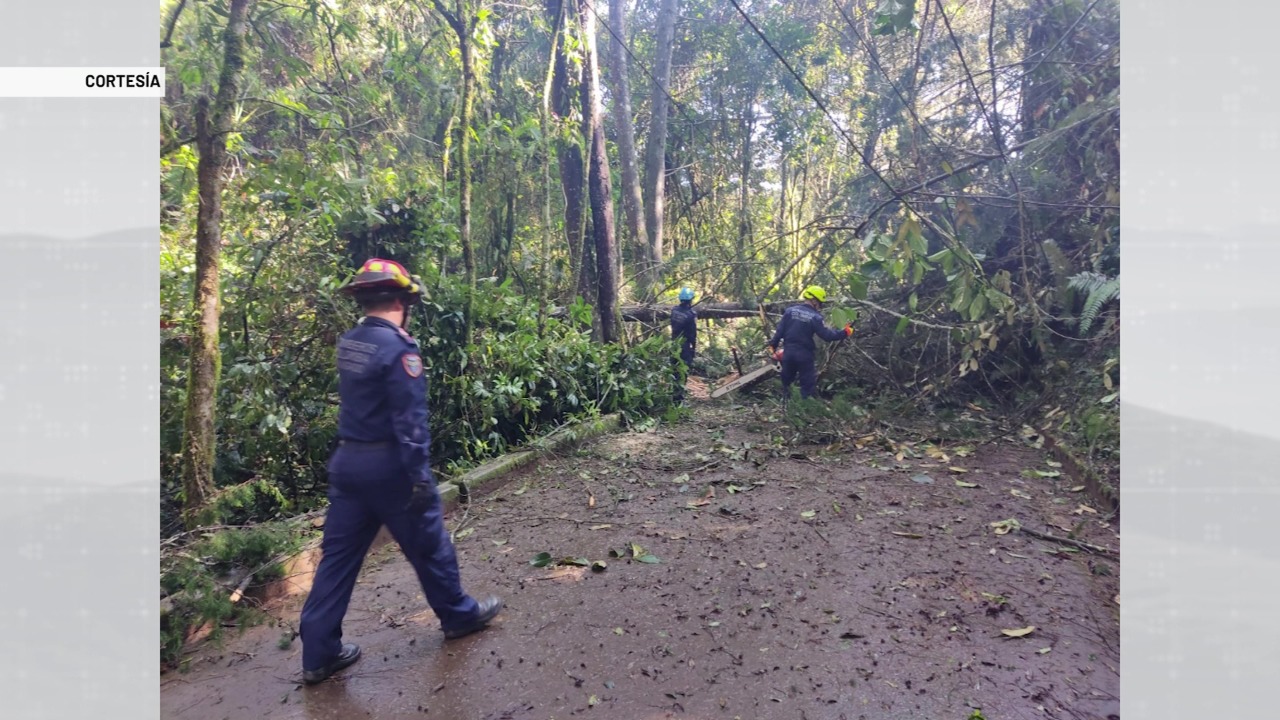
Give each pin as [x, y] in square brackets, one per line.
[277, 414]
[954, 163]
[948, 171]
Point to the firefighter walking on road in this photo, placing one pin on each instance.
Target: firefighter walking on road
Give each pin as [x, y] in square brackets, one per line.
[380, 474]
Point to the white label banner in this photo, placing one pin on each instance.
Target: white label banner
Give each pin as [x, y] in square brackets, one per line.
[81, 82]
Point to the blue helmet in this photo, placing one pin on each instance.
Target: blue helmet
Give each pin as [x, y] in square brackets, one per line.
[685, 294]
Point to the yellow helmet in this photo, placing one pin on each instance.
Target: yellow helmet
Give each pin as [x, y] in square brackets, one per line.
[379, 277]
[813, 292]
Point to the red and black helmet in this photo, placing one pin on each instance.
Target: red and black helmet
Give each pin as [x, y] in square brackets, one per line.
[378, 277]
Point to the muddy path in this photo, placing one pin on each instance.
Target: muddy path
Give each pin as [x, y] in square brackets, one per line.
[780, 582]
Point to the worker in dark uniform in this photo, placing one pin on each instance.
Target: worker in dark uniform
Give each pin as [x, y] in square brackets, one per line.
[796, 330]
[684, 329]
[380, 474]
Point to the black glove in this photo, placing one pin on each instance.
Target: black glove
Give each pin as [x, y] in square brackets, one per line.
[424, 496]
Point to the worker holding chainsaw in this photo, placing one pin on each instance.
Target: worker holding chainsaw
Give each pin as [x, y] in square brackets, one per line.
[380, 474]
[684, 329]
[796, 330]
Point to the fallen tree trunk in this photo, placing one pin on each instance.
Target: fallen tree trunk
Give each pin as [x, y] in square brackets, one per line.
[459, 489]
[651, 313]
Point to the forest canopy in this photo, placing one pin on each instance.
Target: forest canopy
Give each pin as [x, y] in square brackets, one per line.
[948, 171]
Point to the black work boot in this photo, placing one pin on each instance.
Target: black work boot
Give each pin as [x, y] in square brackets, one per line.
[489, 609]
[350, 653]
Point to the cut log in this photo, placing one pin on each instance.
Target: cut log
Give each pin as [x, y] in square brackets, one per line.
[746, 381]
[485, 475]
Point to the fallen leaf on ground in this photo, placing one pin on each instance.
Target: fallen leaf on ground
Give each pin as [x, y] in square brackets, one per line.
[599, 527]
[963, 484]
[1004, 526]
[1020, 632]
[1018, 493]
[955, 469]
[1084, 509]
[808, 513]
[917, 536]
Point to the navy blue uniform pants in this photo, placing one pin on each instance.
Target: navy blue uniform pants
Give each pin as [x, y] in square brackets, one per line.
[367, 489]
[798, 363]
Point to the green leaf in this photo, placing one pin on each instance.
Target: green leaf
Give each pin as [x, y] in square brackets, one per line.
[857, 286]
[996, 298]
[916, 241]
[899, 268]
[913, 301]
[978, 308]
[902, 326]
[542, 559]
[647, 558]
[808, 513]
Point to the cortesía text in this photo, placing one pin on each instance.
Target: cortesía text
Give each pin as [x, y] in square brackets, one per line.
[145, 80]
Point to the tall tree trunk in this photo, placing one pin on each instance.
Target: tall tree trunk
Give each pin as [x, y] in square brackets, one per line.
[655, 148]
[544, 124]
[569, 153]
[464, 170]
[601, 187]
[632, 198]
[463, 22]
[212, 127]
[740, 267]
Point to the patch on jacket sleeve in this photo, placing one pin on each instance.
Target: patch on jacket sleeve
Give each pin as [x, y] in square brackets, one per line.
[412, 364]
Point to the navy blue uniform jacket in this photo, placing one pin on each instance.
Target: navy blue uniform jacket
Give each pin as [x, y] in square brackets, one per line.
[798, 326]
[684, 325]
[384, 393]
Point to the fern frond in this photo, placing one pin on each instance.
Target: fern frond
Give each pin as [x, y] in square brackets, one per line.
[1087, 281]
[1100, 290]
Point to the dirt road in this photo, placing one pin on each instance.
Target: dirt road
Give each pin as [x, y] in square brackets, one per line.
[778, 582]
